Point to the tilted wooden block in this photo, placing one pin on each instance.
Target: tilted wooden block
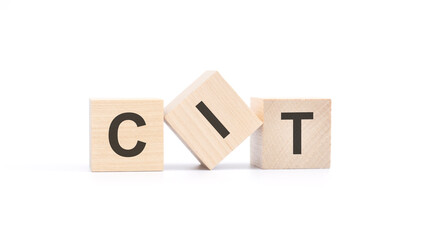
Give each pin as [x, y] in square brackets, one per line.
[296, 133]
[210, 118]
[126, 135]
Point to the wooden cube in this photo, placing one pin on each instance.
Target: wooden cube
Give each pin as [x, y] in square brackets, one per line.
[126, 135]
[210, 118]
[296, 133]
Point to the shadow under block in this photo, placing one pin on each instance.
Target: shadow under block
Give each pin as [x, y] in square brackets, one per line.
[126, 135]
[296, 133]
[210, 118]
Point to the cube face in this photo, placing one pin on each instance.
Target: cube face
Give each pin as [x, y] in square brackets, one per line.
[126, 135]
[210, 118]
[296, 133]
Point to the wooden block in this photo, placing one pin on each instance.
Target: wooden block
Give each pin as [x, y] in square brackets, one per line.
[210, 118]
[296, 133]
[126, 135]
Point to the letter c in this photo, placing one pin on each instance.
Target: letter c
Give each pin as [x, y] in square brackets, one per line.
[113, 135]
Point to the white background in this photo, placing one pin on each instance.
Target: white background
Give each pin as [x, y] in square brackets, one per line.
[369, 57]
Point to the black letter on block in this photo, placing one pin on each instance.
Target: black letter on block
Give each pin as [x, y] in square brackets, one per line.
[212, 119]
[113, 135]
[297, 127]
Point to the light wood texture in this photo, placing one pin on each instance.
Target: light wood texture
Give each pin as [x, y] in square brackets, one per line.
[102, 156]
[197, 133]
[272, 144]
